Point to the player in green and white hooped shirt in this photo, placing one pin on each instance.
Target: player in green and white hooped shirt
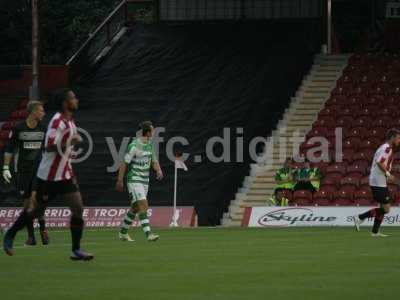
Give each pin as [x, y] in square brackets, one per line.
[138, 160]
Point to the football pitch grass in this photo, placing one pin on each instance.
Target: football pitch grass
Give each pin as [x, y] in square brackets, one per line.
[191, 264]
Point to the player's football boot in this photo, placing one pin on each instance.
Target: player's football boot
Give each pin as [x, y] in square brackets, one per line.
[31, 241]
[125, 237]
[152, 237]
[8, 242]
[357, 222]
[81, 255]
[378, 234]
[44, 235]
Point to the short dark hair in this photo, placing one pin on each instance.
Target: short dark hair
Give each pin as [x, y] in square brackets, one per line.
[60, 96]
[391, 133]
[145, 127]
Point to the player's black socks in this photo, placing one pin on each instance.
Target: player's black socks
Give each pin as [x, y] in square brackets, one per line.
[378, 215]
[370, 214]
[377, 223]
[76, 232]
[42, 224]
[19, 224]
[30, 229]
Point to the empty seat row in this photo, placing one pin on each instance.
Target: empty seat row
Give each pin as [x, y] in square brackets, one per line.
[331, 197]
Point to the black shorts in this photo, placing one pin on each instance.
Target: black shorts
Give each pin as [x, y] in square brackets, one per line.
[48, 190]
[26, 183]
[380, 194]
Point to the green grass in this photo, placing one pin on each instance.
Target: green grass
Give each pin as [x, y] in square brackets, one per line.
[191, 264]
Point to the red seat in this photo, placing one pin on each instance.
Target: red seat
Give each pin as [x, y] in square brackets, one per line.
[349, 110]
[324, 196]
[331, 180]
[331, 133]
[395, 123]
[336, 100]
[317, 132]
[372, 102]
[344, 79]
[345, 156]
[344, 122]
[364, 154]
[377, 132]
[392, 100]
[359, 132]
[353, 181]
[358, 91]
[391, 111]
[352, 143]
[394, 91]
[363, 196]
[382, 121]
[363, 202]
[338, 91]
[353, 101]
[326, 122]
[362, 122]
[321, 166]
[364, 163]
[364, 182]
[328, 111]
[302, 197]
[345, 195]
[357, 169]
[377, 91]
[395, 198]
[337, 168]
[393, 188]
[369, 143]
[367, 111]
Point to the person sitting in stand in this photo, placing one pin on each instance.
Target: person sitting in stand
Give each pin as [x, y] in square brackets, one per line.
[307, 178]
[315, 178]
[284, 181]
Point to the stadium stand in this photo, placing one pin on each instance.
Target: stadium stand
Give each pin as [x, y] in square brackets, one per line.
[181, 77]
[364, 103]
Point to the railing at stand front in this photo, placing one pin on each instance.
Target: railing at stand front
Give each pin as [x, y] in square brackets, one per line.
[128, 11]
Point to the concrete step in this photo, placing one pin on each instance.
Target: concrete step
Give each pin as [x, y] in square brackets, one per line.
[262, 185]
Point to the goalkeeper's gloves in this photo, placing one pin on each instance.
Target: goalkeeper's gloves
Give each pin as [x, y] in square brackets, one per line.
[7, 174]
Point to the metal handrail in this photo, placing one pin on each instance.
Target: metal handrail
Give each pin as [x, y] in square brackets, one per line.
[92, 35]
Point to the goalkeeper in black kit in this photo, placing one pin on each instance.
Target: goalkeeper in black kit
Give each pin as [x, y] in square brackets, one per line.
[25, 144]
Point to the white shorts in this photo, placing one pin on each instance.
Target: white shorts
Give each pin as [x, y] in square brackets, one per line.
[137, 191]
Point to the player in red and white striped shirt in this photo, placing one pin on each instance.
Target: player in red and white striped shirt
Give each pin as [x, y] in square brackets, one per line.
[55, 175]
[379, 177]
[56, 165]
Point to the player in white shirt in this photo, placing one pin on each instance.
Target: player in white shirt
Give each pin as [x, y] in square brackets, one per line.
[379, 178]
